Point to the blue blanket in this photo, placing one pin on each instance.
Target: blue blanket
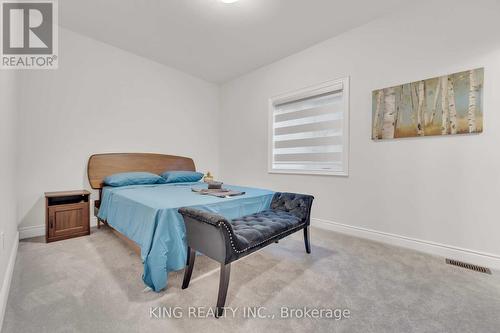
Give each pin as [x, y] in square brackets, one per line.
[147, 214]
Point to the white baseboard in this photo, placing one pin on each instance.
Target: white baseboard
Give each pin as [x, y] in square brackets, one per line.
[441, 250]
[4, 292]
[438, 249]
[39, 230]
[30, 232]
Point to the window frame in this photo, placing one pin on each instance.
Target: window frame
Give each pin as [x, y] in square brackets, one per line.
[322, 88]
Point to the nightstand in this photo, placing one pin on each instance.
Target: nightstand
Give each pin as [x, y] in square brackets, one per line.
[67, 215]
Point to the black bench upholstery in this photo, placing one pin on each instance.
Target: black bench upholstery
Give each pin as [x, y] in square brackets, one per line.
[250, 231]
[228, 240]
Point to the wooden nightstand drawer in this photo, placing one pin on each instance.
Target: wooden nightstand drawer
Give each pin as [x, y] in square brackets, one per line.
[67, 215]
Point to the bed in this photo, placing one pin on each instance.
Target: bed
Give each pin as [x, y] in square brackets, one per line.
[146, 216]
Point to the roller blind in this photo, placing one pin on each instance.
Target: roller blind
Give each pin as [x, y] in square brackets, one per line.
[308, 131]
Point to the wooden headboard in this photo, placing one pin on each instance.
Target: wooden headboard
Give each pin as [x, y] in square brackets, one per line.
[102, 165]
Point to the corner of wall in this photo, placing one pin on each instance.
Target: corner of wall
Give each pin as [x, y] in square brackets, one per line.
[4, 292]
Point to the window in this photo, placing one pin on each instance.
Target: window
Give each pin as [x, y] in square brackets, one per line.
[309, 130]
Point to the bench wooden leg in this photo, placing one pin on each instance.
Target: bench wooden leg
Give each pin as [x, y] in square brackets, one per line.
[225, 271]
[191, 255]
[306, 239]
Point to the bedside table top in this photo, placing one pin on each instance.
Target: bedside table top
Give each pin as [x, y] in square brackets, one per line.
[66, 193]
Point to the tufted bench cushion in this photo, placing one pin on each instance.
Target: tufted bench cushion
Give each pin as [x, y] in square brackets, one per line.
[252, 230]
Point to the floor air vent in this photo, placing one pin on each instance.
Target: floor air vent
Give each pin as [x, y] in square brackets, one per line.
[468, 266]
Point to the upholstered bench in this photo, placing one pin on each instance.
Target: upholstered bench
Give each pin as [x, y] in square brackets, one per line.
[228, 240]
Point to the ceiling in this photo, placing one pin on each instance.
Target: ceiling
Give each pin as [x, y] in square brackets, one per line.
[213, 40]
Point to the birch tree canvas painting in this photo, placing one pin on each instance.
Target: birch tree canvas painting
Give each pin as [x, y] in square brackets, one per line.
[450, 104]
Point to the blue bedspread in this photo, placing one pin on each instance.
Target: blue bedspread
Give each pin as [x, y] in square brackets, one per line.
[147, 214]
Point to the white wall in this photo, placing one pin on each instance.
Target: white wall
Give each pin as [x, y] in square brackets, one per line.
[437, 189]
[103, 99]
[8, 223]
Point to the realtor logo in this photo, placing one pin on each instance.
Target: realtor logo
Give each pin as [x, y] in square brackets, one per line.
[29, 34]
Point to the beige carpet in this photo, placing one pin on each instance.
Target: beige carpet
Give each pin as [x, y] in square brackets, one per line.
[93, 284]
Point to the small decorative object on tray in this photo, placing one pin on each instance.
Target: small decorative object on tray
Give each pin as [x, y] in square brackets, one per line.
[213, 185]
[208, 177]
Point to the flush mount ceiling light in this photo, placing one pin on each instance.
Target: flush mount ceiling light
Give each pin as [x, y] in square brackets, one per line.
[228, 1]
